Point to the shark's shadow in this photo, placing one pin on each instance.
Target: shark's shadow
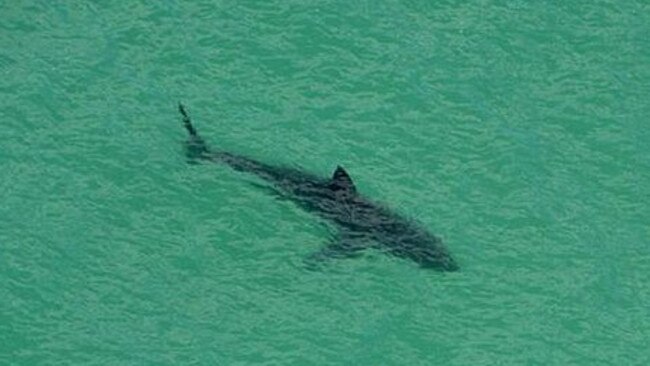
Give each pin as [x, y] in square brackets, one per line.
[360, 223]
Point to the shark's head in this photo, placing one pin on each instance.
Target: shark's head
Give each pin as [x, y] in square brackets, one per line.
[439, 261]
[426, 250]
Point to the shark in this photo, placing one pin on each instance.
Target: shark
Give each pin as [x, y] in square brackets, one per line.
[359, 222]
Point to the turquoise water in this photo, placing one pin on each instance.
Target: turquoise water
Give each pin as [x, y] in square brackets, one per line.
[516, 131]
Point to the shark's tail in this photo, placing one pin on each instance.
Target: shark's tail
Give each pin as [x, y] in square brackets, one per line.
[187, 122]
[196, 147]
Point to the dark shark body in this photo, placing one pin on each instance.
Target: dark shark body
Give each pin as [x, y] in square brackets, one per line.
[361, 223]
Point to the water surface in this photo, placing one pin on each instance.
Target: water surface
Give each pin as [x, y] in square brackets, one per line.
[517, 132]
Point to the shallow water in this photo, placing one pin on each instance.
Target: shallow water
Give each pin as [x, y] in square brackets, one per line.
[515, 132]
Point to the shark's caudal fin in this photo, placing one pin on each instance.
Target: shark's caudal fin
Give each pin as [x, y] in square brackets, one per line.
[195, 145]
[187, 122]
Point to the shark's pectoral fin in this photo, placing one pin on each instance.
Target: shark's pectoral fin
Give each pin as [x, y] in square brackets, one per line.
[337, 251]
[272, 191]
[346, 246]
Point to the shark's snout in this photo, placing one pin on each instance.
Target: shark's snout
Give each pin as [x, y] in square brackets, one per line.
[439, 262]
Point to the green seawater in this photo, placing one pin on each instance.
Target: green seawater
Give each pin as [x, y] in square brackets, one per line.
[515, 130]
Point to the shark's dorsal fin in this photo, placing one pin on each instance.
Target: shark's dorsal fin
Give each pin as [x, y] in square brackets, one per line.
[341, 181]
